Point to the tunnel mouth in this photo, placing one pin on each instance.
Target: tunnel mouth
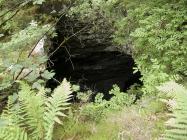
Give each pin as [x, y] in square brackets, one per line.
[96, 71]
[91, 64]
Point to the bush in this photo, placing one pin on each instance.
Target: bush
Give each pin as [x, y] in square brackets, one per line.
[97, 110]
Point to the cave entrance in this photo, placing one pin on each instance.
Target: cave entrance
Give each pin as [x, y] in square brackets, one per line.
[97, 71]
[90, 62]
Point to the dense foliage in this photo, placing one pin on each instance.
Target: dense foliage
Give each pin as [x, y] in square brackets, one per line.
[153, 32]
[20, 35]
[97, 110]
[159, 40]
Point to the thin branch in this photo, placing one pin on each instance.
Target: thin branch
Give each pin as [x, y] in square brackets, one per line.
[41, 38]
[14, 7]
[48, 30]
[69, 57]
[37, 41]
[51, 54]
[10, 17]
[18, 61]
[66, 39]
[23, 4]
[56, 80]
[19, 73]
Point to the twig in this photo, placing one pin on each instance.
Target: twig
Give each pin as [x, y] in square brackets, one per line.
[19, 73]
[40, 39]
[9, 17]
[14, 13]
[14, 7]
[49, 30]
[58, 47]
[56, 80]
[69, 57]
[66, 39]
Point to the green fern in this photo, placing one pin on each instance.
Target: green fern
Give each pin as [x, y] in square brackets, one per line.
[31, 115]
[177, 124]
[55, 106]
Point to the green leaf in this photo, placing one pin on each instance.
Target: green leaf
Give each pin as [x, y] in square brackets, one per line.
[47, 75]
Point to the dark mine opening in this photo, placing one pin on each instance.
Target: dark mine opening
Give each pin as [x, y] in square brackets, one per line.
[92, 64]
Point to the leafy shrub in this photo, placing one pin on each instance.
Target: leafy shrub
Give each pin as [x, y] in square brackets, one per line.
[84, 96]
[120, 99]
[98, 109]
[155, 31]
[31, 115]
[93, 112]
[22, 28]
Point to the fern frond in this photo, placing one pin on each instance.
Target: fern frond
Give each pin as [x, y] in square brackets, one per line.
[177, 130]
[32, 105]
[12, 111]
[57, 103]
[13, 133]
[32, 115]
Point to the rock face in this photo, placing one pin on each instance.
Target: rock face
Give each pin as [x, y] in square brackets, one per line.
[92, 61]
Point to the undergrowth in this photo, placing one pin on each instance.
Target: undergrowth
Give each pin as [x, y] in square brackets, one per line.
[102, 121]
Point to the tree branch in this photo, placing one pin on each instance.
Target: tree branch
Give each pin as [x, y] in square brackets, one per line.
[21, 5]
